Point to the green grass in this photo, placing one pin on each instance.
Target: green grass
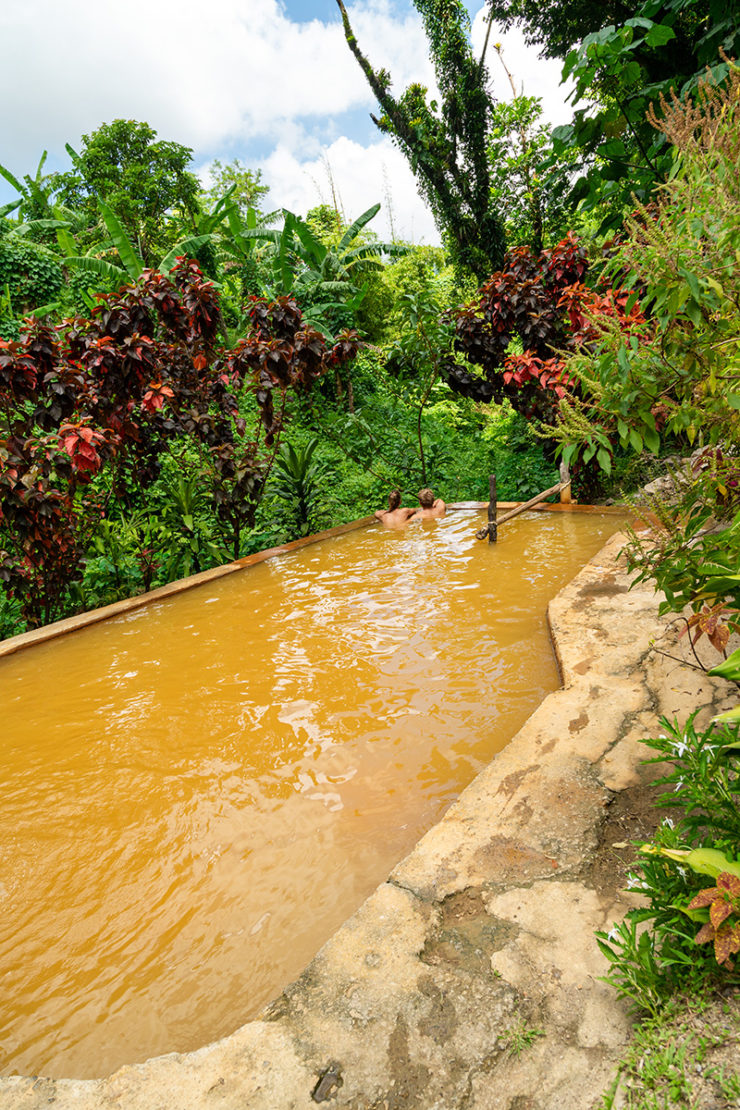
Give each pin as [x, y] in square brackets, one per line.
[687, 1058]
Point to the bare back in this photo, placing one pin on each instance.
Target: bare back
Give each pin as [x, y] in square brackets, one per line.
[433, 512]
[394, 518]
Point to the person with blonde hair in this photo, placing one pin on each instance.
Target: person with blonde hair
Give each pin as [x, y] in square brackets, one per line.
[431, 507]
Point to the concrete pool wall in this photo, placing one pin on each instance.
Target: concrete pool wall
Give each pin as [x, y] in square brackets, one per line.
[469, 978]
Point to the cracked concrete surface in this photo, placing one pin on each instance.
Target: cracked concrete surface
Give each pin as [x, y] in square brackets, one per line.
[430, 996]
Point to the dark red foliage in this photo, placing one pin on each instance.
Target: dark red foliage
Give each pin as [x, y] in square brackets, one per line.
[113, 389]
[531, 299]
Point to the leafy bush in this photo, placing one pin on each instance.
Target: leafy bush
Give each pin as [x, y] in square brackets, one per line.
[30, 273]
[89, 410]
[672, 373]
[693, 554]
[649, 965]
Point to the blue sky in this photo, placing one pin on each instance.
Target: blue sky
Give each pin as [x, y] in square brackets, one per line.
[269, 81]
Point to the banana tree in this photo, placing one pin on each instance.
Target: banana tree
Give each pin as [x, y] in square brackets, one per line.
[35, 192]
[326, 278]
[132, 264]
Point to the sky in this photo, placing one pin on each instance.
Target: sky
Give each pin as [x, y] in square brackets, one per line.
[271, 82]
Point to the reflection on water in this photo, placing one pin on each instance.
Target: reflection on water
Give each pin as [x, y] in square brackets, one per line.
[196, 795]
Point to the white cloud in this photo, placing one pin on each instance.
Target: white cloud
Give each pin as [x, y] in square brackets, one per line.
[298, 175]
[243, 72]
[241, 76]
[361, 176]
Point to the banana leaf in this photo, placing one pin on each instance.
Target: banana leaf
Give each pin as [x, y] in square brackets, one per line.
[45, 309]
[357, 226]
[313, 246]
[97, 266]
[133, 264]
[186, 247]
[12, 180]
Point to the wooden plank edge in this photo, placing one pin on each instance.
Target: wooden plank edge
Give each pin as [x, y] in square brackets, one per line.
[130, 604]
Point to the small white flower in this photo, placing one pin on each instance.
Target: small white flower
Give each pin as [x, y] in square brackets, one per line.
[634, 882]
[612, 935]
[680, 784]
[668, 823]
[682, 872]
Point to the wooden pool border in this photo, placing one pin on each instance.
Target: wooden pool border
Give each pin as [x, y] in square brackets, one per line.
[128, 605]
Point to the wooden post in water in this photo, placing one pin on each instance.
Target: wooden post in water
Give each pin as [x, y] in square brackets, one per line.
[492, 500]
[564, 484]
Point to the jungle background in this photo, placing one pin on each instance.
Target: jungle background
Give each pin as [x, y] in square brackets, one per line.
[187, 376]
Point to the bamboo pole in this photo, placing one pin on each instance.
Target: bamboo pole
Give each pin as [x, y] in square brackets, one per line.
[529, 504]
[565, 497]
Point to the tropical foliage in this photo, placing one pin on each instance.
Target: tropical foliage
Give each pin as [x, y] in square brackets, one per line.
[468, 353]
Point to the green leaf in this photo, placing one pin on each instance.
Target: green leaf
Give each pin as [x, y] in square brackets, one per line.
[11, 180]
[652, 440]
[186, 247]
[730, 715]
[357, 226]
[635, 440]
[604, 460]
[659, 34]
[693, 283]
[130, 259]
[693, 311]
[73, 154]
[66, 242]
[44, 309]
[284, 269]
[97, 266]
[313, 246]
[623, 360]
[729, 668]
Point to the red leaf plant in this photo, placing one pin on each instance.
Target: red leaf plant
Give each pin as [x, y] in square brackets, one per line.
[543, 302]
[105, 396]
[723, 901]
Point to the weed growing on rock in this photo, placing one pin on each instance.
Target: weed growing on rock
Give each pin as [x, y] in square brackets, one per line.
[519, 1037]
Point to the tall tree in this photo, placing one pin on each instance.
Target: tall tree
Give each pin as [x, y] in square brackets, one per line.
[139, 178]
[248, 190]
[446, 143]
[622, 57]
